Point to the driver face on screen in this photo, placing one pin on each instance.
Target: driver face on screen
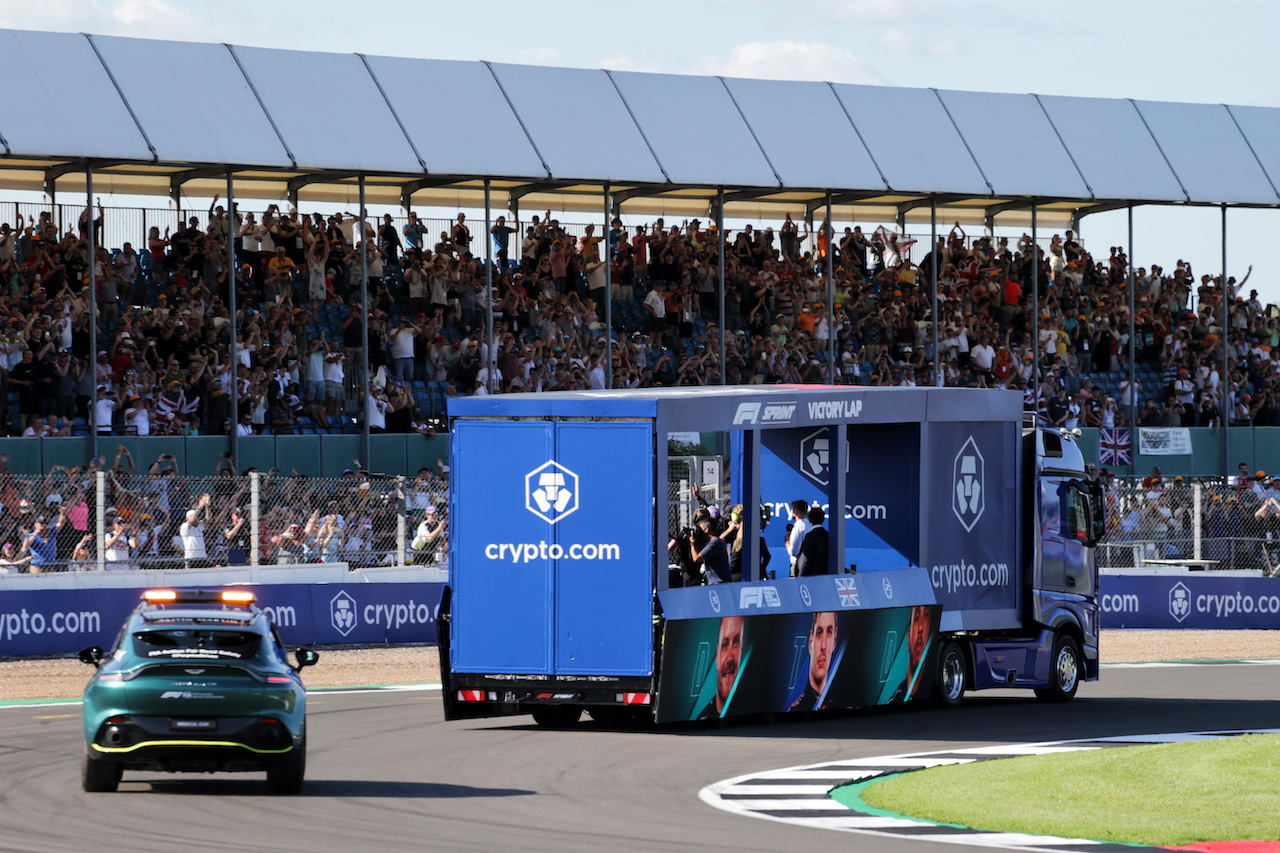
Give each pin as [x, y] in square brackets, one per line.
[822, 642]
[728, 657]
[918, 636]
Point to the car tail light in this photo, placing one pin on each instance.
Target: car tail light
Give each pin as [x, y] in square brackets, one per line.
[111, 676]
[279, 679]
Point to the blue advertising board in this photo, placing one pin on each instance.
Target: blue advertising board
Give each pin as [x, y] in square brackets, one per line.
[881, 513]
[552, 532]
[1192, 601]
[63, 621]
[970, 531]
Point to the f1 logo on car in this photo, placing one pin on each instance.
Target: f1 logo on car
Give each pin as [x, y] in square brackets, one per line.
[342, 613]
[551, 491]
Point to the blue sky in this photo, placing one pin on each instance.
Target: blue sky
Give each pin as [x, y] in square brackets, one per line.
[1142, 49]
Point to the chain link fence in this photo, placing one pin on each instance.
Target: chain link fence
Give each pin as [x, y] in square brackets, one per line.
[73, 520]
[688, 479]
[1205, 525]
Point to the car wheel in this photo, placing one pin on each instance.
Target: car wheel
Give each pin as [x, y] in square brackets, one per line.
[99, 776]
[949, 683]
[556, 716]
[286, 774]
[1064, 671]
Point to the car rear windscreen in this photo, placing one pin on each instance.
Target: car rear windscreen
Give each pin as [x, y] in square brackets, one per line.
[196, 644]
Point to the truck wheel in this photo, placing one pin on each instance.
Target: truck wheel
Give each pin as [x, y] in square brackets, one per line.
[949, 684]
[98, 776]
[556, 716]
[285, 775]
[1064, 671]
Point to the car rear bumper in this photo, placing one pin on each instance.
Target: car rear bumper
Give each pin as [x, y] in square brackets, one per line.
[229, 743]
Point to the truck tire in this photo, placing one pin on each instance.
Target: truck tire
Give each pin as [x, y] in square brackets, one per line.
[98, 776]
[1064, 671]
[949, 683]
[556, 716]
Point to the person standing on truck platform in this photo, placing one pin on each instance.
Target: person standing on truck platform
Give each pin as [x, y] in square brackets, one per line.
[813, 550]
[823, 634]
[797, 530]
[710, 552]
[728, 659]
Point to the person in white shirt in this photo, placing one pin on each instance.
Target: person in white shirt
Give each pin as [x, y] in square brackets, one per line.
[800, 527]
[334, 376]
[191, 532]
[138, 416]
[376, 410]
[106, 406]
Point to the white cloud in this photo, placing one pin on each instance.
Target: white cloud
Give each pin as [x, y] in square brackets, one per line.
[898, 40]
[792, 60]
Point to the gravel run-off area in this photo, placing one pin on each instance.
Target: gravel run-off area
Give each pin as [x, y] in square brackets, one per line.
[64, 678]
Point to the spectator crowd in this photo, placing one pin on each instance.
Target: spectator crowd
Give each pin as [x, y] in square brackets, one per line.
[165, 364]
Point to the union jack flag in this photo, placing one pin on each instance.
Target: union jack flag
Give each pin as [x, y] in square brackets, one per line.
[1114, 447]
[848, 591]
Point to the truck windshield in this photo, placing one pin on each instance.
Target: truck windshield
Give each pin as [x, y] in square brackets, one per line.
[196, 644]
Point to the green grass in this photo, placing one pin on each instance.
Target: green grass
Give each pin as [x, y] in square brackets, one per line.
[1220, 790]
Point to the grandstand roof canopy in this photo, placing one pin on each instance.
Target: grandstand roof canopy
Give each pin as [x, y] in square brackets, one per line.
[153, 117]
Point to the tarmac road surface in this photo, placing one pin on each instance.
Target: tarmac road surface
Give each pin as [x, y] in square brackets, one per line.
[387, 773]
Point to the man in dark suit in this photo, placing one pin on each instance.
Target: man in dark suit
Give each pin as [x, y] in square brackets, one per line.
[813, 550]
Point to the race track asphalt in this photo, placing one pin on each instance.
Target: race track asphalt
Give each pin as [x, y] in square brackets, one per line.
[387, 773]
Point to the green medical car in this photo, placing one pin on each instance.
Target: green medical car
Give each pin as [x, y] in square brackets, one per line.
[196, 682]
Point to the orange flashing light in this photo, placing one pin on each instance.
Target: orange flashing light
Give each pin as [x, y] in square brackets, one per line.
[160, 595]
[238, 597]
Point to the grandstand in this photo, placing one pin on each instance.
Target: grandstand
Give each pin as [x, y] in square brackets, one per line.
[446, 318]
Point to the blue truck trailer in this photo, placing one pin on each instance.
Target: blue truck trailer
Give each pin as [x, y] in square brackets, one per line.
[962, 559]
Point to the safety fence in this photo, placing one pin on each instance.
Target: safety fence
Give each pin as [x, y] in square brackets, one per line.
[693, 482]
[1206, 525]
[112, 520]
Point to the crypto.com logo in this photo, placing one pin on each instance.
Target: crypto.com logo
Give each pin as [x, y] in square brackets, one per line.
[342, 613]
[1179, 601]
[551, 491]
[968, 489]
[815, 456]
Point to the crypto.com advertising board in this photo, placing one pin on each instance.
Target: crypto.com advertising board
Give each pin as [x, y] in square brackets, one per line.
[552, 540]
[1197, 601]
[63, 621]
[942, 495]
